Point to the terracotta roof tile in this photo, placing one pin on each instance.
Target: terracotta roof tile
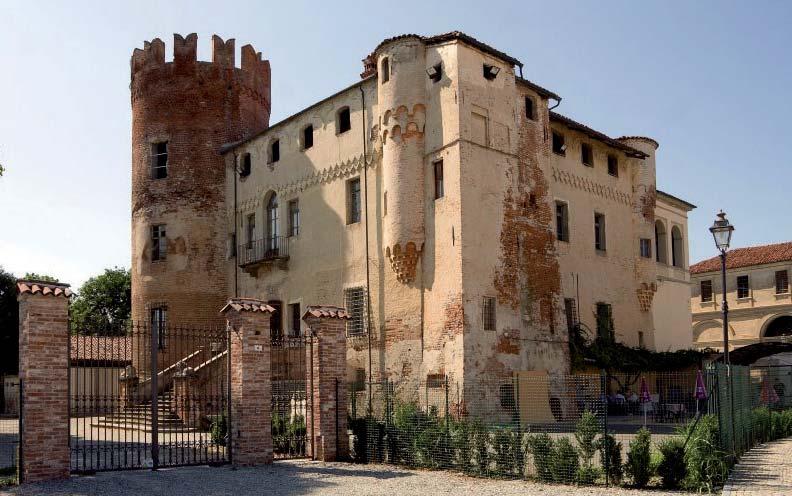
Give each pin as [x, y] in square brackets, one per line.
[746, 257]
[104, 349]
[247, 305]
[44, 288]
[326, 311]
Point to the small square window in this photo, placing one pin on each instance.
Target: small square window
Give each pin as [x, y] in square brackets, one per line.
[488, 313]
[308, 137]
[706, 291]
[344, 120]
[586, 155]
[646, 248]
[743, 287]
[613, 166]
[274, 151]
[159, 160]
[782, 281]
[558, 144]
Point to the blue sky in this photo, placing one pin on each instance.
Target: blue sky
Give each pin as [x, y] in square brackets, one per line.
[708, 80]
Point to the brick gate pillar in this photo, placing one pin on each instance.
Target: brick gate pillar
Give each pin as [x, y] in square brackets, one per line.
[326, 383]
[251, 434]
[44, 379]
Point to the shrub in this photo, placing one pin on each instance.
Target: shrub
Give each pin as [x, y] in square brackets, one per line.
[761, 424]
[707, 464]
[639, 458]
[542, 447]
[588, 475]
[509, 454]
[479, 442]
[564, 462]
[586, 431]
[219, 430]
[611, 457]
[672, 469]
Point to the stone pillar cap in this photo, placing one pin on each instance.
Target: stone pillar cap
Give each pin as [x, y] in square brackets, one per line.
[325, 311]
[45, 288]
[247, 305]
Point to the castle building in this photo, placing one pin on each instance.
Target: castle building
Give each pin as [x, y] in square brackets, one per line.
[440, 199]
[757, 292]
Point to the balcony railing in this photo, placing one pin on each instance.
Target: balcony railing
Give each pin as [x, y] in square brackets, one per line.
[263, 250]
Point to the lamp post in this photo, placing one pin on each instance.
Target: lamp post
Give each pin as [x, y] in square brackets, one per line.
[722, 232]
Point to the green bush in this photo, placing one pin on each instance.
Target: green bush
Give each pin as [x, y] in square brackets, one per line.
[219, 430]
[588, 475]
[672, 469]
[761, 424]
[564, 462]
[707, 464]
[509, 452]
[542, 447]
[611, 457]
[586, 431]
[639, 458]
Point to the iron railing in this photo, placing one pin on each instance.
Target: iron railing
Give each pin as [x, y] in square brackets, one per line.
[263, 250]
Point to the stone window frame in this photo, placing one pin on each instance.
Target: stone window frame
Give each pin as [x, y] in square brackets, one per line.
[245, 165]
[489, 311]
[565, 233]
[561, 141]
[586, 153]
[600, 232]
[272, 145]
[782, 282]
[743, 289]
[439, 182]
[645, 247]
[711, 298]
[304, 133]
[340, 129]
[613, 165]
[354, 215]
[385, 70]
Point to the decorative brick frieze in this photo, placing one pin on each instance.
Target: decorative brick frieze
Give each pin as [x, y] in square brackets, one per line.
[326, 383]
[251, 435]
[44, 378]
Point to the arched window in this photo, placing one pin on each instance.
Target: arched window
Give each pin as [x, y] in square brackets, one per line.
[385, 71]
[272, 222]
[780, 326]
[677, 248]
[660, 242]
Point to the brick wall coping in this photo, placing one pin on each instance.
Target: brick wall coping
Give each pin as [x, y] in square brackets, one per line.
[25, 286]
[325, 311]
[247, 305]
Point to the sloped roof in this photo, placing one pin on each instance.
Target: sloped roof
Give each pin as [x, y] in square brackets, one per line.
[101, 349]
[591, 133]
[746, 257]
[326, 311]
[43, 287]
[453, 35]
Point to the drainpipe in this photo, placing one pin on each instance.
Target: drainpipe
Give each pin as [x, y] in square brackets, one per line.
[366, 227]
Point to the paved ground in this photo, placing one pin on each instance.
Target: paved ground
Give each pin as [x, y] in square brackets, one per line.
[765, 470]
[300, 478]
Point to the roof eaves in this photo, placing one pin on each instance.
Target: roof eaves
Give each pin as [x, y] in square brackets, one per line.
[591, 133]
[676, 199]
[535, 87]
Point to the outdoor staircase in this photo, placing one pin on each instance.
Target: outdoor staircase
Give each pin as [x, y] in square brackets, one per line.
[138, 417]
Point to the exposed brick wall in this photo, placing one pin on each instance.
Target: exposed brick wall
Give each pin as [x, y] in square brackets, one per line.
[197, 107]
[251, 387]
[44, 375]
[327, 388]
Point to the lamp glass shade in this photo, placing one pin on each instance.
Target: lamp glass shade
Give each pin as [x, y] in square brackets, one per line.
[722, 232]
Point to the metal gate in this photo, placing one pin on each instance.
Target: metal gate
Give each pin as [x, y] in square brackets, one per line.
[148, 396]
[290, 407]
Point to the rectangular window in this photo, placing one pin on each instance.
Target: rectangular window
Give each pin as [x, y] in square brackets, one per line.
[782, 281]
[586, 155]
[246, 166]
[159, 321]
[353, 201]
[599, 232]
[296, 319]
[570, 309]
[294, 218]
[562, 221]
[743, 287]
[558, 143]
[613, 166]
[159, 243]
[276, 319]
[356, 300]
[529, 108]
[307, 137]
[646, 248]
[488, 313]
[438, 179]
[604, 321]
[250, 230]
[344, 120]
[706, 291]
[275, 151]
[435, 381]
[159, 160]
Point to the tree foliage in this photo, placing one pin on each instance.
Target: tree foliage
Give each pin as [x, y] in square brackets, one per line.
[9, 324]
[103, 303]
[33, 276]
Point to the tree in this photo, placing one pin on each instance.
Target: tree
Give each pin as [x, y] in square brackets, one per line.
[9, 324]
[103, 303]
[40, 277]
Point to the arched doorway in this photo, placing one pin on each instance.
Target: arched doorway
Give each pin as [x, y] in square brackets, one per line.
[779, 326]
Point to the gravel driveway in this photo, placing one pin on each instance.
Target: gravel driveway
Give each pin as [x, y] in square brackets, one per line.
[300, 478]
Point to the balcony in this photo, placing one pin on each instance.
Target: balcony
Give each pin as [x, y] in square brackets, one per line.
[269, 250]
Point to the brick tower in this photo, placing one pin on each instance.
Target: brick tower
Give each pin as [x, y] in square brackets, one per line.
[182, 112]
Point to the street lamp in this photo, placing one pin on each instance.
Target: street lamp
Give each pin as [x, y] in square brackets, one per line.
[722, 232]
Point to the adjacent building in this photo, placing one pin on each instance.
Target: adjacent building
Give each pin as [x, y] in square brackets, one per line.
[463, 223]
[757, 292]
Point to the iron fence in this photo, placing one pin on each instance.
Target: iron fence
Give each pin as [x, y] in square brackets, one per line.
[9, 449]
[263, 250]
